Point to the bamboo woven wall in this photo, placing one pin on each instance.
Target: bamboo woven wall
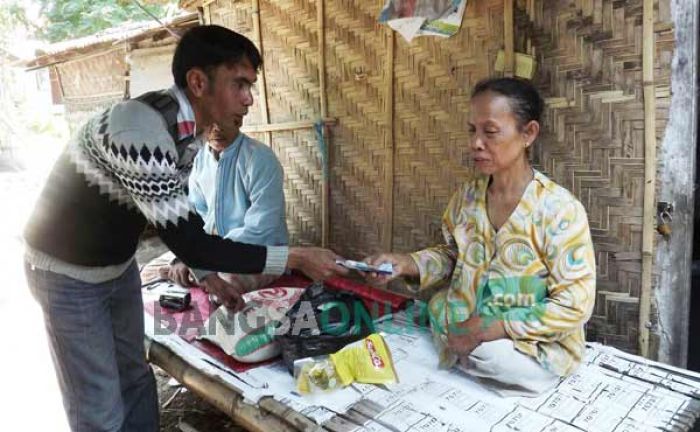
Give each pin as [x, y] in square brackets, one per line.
[431, 80]
[92, 83]
[590, 69]
[356, 68]
[399, 145]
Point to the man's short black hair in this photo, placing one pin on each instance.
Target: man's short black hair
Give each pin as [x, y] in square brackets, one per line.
[209, 46]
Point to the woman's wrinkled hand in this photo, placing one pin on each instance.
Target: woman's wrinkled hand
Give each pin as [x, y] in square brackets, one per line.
[465, 336]
[403, 266]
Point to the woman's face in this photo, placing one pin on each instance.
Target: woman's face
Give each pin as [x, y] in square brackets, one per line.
[496, 142]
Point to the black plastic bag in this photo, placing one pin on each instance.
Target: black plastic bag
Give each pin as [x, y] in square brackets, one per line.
[322, 322]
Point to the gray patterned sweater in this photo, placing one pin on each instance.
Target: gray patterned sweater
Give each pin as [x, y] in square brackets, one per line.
[120, 171]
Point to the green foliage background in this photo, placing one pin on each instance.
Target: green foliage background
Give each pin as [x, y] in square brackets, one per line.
[68, 19]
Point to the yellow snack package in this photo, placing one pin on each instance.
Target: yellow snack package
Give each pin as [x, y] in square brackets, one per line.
[365, 361]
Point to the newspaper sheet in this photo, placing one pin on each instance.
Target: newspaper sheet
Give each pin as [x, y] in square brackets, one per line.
[610, 392]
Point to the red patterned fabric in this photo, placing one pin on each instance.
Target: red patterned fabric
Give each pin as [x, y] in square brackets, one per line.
[188, 323]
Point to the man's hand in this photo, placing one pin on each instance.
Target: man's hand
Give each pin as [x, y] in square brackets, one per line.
[403, 265]
[316, 263]
[464, 337]
[228, 293]
[178, 273]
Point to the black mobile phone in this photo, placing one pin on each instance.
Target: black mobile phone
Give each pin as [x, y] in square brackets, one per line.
[175, 300]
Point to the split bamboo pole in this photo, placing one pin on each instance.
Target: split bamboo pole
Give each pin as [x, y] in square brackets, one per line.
[287, 126]
[325, 185]
[262, 94]
[508, 39]
[225, 398]
[648, 221]
[388, 230]
[59, 81]
[206, 11]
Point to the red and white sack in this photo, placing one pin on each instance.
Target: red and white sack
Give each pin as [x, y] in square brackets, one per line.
[248, 335]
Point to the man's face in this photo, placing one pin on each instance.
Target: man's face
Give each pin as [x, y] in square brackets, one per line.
[226, 101]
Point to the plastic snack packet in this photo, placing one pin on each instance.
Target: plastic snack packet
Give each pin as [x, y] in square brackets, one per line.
[365, 361]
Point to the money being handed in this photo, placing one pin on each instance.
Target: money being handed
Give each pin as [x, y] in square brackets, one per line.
[384, 268]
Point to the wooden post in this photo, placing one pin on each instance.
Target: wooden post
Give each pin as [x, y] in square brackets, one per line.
[59, 81]
[325, 185]
[264, 110]
[649, 215]
[674, 257]
[508, 39]
[388, 230]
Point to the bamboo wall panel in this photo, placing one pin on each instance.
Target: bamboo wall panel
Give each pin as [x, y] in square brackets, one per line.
[590, 70]
[91, 84]
[433, 80]
[93, 76]
[589, 55]
[289, 40]
[355, 67]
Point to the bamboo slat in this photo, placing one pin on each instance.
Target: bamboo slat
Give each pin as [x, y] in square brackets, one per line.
[287, 126]
[262, 83]
[388, 233]
[325, 197]
[226, 398]
[508, 39]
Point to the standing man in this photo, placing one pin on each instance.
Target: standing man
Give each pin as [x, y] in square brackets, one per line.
[124, 168]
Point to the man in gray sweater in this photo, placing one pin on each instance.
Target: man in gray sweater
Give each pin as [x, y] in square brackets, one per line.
[125, 168]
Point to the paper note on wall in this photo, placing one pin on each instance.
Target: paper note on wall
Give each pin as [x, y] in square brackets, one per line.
[524, 64]
[413, 18]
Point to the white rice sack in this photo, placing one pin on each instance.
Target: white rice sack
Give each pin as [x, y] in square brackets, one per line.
[248, 335]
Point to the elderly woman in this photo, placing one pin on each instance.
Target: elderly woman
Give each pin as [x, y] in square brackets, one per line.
[518, 256]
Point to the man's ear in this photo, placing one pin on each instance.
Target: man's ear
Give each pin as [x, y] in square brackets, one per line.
[197, 81]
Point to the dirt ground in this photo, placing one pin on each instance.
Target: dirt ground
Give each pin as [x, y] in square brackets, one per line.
[183, 411]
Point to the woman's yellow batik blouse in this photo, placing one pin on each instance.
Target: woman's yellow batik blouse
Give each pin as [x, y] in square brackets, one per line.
[536, 273]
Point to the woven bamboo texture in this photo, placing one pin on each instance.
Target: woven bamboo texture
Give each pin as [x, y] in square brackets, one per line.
[94, 76]
[91, 84]
[356, 62]
[590, 70]
[433, 79]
